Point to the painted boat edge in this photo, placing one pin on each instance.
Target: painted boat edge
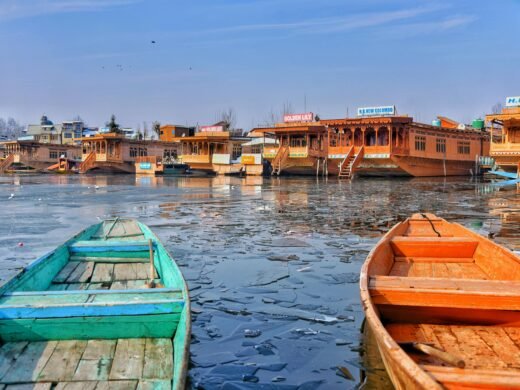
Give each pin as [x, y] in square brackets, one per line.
[403, 371]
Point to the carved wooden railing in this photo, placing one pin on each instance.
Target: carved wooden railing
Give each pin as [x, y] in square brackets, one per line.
[6, 163]
[280, 159]
[88, 163]
[357, 160]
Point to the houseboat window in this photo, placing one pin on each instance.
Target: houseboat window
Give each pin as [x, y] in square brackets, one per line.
[370, 137]
[68, 135]
[256, 149]
[143, 152]
[463, 147]
[297, 142]
[53, 154]
[237, 151]
[420, 143]
[440, 145]
[133, 152]
[195, 149]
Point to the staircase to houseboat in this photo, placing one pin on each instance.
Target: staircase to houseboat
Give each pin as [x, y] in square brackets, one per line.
[279, 160]
[6, 163]
[349, 163]
[89, 162]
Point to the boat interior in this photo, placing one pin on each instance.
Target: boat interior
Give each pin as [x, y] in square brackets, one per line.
[91, 315]
[437, 283]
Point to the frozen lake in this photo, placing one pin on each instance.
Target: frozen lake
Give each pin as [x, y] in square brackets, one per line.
[272, 264]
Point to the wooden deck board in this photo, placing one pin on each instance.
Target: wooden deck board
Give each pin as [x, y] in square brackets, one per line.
[81, 273]
[96, 361]
[158, 360]
[30, 362]
[128, 359]
[65, 272]
[9, 352]
[103, 273]
[80, 385]
[63, 362]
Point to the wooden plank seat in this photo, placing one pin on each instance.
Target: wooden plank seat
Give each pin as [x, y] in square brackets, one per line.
[109, 246]
[28, 315]
[458, 378]
[445, 292]
[438, 247]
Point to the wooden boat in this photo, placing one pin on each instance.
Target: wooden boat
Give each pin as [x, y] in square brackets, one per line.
[444, 306]
[97, 313]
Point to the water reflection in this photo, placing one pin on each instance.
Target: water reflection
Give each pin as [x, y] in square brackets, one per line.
[272, 264]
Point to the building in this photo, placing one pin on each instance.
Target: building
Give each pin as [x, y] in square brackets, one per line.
[169, 132]
[373, 145]
[30, 155]
[505, 149]
[114, 152]
[212, 150]
[47, 132]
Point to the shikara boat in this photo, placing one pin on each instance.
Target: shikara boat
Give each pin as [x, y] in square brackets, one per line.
[444, 306]
[109, 309]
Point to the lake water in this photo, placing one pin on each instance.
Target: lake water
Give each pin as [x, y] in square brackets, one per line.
[272, 264]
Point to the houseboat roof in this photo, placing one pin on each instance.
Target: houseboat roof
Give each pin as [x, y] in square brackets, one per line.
[261, 141]
[292, 129]
[507, 115]
[366, 120]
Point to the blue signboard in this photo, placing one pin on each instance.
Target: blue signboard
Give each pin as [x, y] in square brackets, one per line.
[376, 111]
[513, 101]
[145, 165]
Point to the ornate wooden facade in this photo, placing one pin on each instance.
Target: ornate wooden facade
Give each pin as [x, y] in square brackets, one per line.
[506, 149]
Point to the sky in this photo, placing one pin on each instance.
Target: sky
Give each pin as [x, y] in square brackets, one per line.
[94, 58]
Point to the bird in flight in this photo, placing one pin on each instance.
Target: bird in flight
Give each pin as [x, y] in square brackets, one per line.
[153, 41]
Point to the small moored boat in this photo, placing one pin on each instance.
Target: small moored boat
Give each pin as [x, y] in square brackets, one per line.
[444, 306]
[107, 309]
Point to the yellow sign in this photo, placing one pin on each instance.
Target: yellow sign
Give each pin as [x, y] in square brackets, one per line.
[248, 160]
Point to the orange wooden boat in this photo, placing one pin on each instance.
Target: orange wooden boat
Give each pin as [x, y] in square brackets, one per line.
[444, 306]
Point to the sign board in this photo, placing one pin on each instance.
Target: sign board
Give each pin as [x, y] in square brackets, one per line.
[145, 165]
[211, 129]
[376, 111]
[221, 158]
[513, 101]
[251, 159]
[305, 117]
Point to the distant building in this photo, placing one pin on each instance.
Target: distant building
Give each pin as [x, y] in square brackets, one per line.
[170, 132]
[128, 132]
[66, 133]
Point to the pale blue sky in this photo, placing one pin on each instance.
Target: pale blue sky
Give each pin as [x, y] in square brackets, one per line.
[95, 58]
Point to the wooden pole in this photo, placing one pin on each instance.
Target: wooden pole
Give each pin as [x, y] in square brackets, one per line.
[439, 354]
[151, 283]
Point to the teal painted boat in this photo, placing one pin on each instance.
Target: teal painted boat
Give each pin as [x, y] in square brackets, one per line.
[107, 309]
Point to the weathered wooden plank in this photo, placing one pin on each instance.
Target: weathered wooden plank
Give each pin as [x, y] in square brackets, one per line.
[77, 286]
[30, 362]
[86, 328]
[99, 286]
[103, 273]
[81, 273]
[95, 309]
[96, 360]
[63, 361]
[158, 359]
[128, 359]
[57, 287]
[111, 260]
[434, 246]
[154, 385]
[126, 272]
[116, 385]
[30, 386]
[83, 385]
[43, 299]
[9, 352]
[65, 272]
[108, 246]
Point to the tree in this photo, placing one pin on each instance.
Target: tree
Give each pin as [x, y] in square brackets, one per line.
[497, 108]
[145, 130]
[156, 126]
[229, 117]
[113, 127]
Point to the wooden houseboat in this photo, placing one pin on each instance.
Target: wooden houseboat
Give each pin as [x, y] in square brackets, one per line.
[506, 149]
[375, 146]
[212, 150]
[29, 156]
[112, 152]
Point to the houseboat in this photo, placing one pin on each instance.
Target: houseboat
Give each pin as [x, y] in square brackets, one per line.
[382, 145]
[505, 149]
[31, 156]
[212, 150]
[113, 152]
